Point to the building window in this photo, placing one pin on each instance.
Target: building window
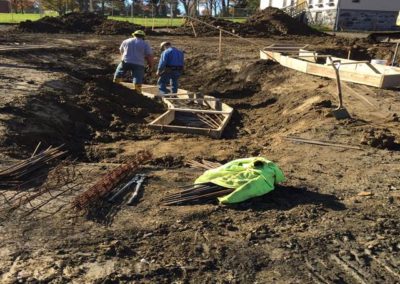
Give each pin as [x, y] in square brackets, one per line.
[355, 1]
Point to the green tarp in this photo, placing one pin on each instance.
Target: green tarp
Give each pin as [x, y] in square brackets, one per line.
[251, 177]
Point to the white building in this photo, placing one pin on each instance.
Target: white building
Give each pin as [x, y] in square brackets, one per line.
[368, 15]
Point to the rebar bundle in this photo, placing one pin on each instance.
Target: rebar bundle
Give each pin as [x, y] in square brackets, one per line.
[204, 164]
[61, 181]
[109, 181]
[196, 193]
[21, 172]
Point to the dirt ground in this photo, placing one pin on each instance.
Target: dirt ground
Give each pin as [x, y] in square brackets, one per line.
[335, 219]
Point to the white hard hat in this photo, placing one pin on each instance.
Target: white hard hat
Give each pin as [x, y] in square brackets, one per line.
[164, 43]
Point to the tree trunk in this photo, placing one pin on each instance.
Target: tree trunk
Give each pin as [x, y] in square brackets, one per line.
[223, 8]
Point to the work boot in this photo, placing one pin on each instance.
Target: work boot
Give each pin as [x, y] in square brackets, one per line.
[138, 88]
[117, 80]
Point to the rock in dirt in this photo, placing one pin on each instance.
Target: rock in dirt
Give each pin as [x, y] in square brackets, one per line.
[79, 23]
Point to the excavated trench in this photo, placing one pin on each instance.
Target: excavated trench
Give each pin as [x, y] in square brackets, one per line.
[79, 107]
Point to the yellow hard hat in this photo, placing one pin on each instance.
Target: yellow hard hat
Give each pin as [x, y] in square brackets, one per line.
[139, 33]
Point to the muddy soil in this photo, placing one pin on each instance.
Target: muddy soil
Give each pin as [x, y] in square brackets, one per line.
[335, 219]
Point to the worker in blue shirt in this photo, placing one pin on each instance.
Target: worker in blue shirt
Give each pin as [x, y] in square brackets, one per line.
[170, 67]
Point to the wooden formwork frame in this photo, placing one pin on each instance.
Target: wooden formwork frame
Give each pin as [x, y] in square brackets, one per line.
[362, 72]
[163, 122]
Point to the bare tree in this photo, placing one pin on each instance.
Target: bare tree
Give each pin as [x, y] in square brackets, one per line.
[190, 7]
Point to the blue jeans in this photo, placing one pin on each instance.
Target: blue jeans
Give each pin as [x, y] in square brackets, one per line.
[169, 77]
[137, 71]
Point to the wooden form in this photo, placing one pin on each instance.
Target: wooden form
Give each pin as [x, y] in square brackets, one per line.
[361, 72]
[189, 112]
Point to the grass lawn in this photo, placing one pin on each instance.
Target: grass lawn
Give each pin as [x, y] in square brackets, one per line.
[12, 18]
[148, 22]
[236, 20]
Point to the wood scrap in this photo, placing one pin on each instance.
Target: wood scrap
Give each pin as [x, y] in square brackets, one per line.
[321, 143]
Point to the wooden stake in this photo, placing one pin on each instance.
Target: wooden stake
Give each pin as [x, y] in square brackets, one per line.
[395, 54]
[194, 30]
[152, 26]
[321, 143]
[349, 54]
[220, 44]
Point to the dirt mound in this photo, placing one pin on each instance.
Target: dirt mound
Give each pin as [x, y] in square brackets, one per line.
[204, 30]
[97, 110]
[270, 21]
[112, 27]
[273, 21]
[72, 22]
[78, 23]
[381, 139]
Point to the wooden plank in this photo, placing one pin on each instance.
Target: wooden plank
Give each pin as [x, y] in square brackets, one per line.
[373, 68]
[321, 143]
[286, 47]
[191, 130]
[166, 118]
[351, 63]
[200, 110]
[348, 76]
[371, 75]
[193, 99]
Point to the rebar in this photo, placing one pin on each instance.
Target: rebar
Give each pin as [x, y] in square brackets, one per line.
[204, 164]
[201, 192]
[21, 172]
[109, 181]
[60, 181]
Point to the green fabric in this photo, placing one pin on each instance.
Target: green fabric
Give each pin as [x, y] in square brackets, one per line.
[251, 177]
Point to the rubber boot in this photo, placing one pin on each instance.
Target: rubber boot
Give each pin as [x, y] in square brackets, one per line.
[138, 88]
[117, 80]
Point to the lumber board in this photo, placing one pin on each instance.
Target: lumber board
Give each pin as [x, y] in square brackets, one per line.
[321, 143]
[164, 122]
[348, 76]
[200, 110]
[361, 72]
